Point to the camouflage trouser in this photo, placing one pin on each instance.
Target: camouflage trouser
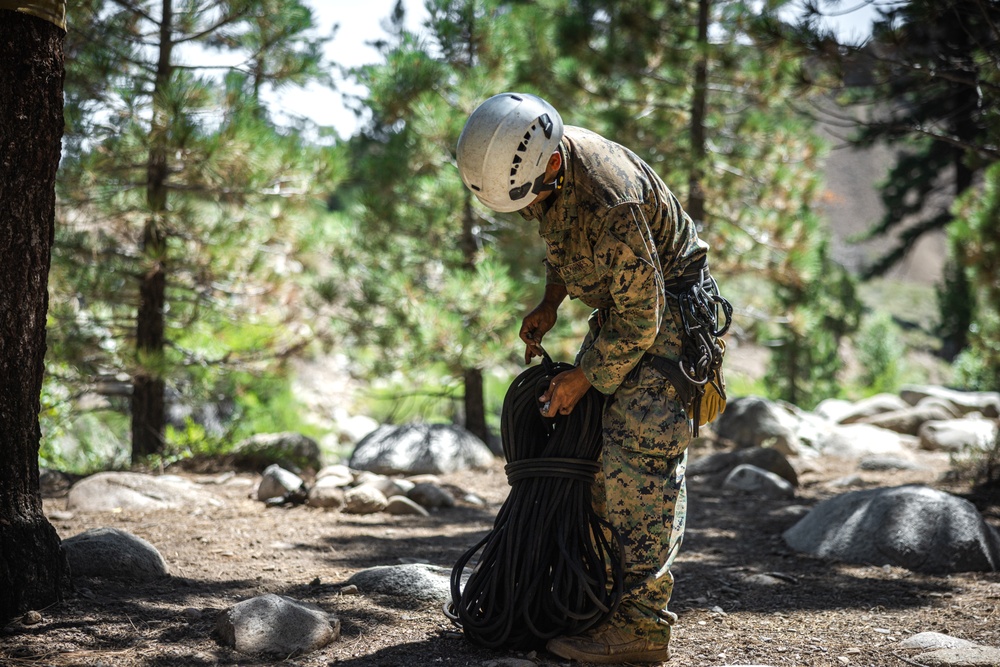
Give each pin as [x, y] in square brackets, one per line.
[642, 494]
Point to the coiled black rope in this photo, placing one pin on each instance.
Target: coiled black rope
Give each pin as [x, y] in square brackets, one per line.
[550, 566]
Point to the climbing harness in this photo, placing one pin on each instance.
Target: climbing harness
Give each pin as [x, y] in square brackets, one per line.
[699, 303]
[550, 566]
[697, 376]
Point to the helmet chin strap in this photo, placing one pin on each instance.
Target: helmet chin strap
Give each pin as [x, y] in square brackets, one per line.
[541, 186]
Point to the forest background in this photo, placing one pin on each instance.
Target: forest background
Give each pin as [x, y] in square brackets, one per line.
[212, 242]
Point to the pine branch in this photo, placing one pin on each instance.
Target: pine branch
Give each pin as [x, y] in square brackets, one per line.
[222, 22]
[128, 6]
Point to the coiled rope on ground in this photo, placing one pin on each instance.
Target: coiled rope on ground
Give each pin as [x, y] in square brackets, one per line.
[550, 566]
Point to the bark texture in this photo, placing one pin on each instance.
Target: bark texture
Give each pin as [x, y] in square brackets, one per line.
[33, 568]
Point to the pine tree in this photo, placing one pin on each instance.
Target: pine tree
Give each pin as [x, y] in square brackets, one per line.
[175, 191]
[928, 79]
[432, 291]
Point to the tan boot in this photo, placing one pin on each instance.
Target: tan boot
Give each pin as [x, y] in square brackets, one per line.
[609, 645]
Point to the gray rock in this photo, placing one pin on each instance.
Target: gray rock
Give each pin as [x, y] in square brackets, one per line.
[971, 656]
[794, 512]
[871, 406]
[958, 435]
[110, 491]
[402, 486]
[986, 402]
[276, 482]
[885, 463]
[766, 580]
[846, 481]
[945, 405]
[751, 479]
[908, 420]
[289, 450]
[339, 472]
[425, 478]
[855, 441]
[327, 492]
[914, 526]
[508, 662]
[752, 421]
[410, 584]
[431, 495]
[389, 486]
[364, 499]
[114, 554]
[833, 409]
[275, 625]
[935, 640]
[401, 505]
[810, 428]
[718, 466]
[420, 448]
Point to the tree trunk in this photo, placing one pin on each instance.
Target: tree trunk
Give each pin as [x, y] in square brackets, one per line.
[148, 416]
[699, 103]
[475, 400]
[475, 404]
[33, 567]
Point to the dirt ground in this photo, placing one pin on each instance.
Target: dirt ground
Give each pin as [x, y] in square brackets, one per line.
[812, 612]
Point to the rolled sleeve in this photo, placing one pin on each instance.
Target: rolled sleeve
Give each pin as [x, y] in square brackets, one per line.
[552, 276]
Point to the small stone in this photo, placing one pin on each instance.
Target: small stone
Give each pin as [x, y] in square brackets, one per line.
[31, 618]
[431, 496]
[364, 499]
[350, 590]
[401, 505]
[192, 614]
[473, 499]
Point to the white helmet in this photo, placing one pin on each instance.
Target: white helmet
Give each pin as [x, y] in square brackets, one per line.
[505, 147]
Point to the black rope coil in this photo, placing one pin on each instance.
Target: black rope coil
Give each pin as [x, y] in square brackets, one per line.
[550, 566]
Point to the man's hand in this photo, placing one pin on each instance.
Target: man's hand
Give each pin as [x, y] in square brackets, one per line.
[535, 325]
[564, 392]
[540, 321]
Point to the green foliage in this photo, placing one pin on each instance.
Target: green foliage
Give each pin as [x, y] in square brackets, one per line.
[880, 353]
[433, 290]
[822, 308]
[925, 85]
[742, 385]
[405, 273]
[80, 439]
[975, 231]
[956, 306]
[934, 75]
[179, 194]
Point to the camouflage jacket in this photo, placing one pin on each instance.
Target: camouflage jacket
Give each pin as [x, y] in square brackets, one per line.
[614, 234]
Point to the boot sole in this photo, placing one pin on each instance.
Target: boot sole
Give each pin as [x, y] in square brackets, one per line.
[600, 658]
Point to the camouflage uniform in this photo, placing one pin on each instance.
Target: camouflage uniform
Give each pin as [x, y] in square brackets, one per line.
[614, 233]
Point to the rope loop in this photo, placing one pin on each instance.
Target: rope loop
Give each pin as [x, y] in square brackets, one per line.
[582, 470]
[551, 566]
